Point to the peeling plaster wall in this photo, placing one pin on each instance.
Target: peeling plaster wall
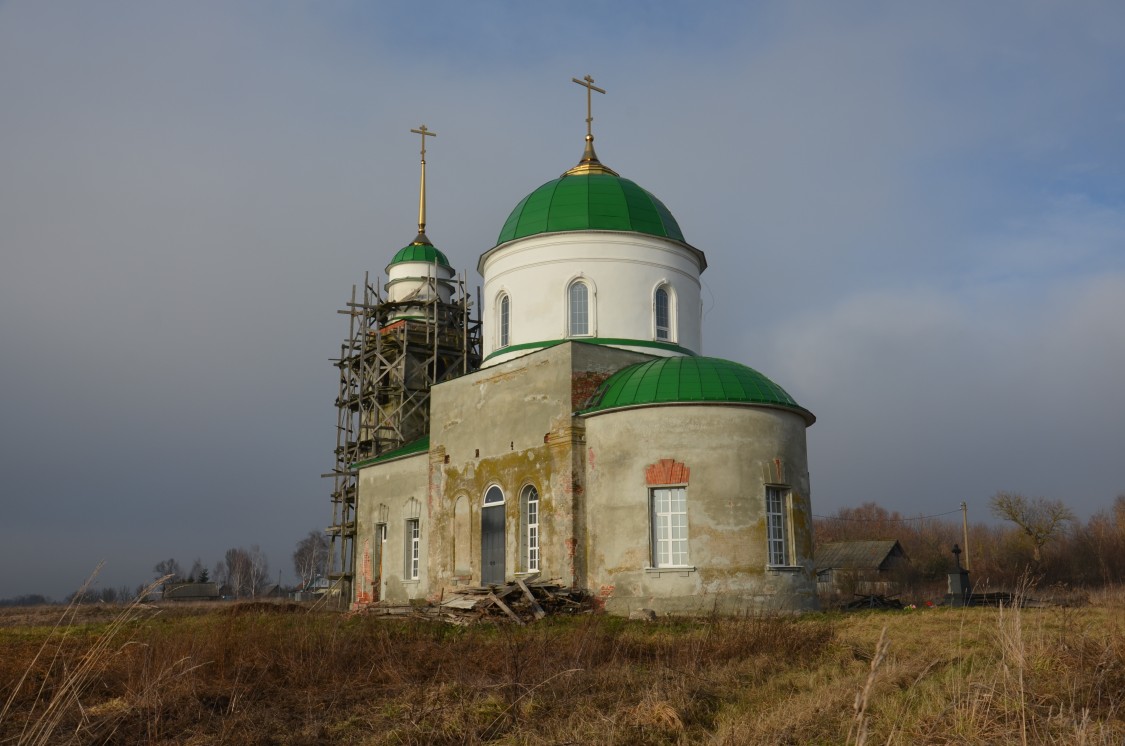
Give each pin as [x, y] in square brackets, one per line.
[390, 493]
[511, 425]
[730, 453]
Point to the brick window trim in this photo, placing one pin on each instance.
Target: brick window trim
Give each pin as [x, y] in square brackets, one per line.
[666, 471]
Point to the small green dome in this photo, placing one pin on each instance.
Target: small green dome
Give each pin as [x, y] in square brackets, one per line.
[598, 201]
[420, 252]
[685, 380]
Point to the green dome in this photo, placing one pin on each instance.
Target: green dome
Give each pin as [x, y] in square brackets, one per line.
[598, 201]
[684, 380]
[419, 252]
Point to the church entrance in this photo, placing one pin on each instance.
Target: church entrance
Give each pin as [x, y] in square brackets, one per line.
[492, 538]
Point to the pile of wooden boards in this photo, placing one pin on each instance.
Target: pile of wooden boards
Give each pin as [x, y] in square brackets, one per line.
[872, 602]
[520, 602]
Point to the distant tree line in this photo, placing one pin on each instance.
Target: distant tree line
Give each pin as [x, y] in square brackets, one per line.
[1037, 537]
[240, 573]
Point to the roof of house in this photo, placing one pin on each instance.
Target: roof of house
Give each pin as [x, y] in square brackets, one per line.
[857, 555]
[182, 591]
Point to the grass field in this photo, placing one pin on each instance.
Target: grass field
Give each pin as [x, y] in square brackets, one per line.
[281, 674]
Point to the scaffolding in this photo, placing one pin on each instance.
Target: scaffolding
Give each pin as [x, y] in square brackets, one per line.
[387, 366]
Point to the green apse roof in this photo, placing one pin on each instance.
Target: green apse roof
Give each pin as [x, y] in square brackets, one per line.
[420, 252]
[417, 446]
[685, 380]
[599, 201]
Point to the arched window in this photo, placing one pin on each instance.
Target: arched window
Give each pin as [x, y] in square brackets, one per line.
[505, 320]
[529, 529]
[494, 496]
[578, 301]
[662, 314]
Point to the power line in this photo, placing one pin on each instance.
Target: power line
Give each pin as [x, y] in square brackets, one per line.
[885, 520]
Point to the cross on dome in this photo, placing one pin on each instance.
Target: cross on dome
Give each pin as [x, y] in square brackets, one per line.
[421, 238]
[589, 163]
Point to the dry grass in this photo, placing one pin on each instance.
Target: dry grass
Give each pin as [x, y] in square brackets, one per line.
[261, 674]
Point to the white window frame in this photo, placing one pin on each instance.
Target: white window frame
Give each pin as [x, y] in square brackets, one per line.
[413, 548]
[529, 535]
[668, 520]
[778, 544]
[571, 307]
[489, 500]
[504, 318]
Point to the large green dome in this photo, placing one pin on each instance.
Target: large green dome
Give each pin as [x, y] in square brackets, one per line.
[688, 380]
[595, 201]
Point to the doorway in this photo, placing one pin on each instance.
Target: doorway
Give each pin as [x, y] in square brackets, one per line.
[492, 538]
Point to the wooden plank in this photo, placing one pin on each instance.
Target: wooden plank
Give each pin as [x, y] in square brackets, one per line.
[536, 609]
[504, 607]
[458, 602]
[507, 590]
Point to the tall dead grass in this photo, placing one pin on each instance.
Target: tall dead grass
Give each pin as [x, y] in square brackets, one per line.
[282, 674]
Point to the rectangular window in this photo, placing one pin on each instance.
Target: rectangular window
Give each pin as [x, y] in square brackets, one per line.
[669, 527]
[413, 549]
[380, 541]
[777, 525]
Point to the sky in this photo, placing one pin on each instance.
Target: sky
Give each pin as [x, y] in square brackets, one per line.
[913, 213]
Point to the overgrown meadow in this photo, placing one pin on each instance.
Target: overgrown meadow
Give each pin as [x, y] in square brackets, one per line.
[261, 673]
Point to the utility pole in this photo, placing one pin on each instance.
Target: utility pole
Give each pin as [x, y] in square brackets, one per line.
[965, 532]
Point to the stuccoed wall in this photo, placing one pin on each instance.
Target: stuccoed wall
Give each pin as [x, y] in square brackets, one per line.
[623, 270]
[511, 425]
[391, 492]
[730, 452]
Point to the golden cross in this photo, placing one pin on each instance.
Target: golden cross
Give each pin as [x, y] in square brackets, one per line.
[422, 186]
[424, 132]
[588, 83]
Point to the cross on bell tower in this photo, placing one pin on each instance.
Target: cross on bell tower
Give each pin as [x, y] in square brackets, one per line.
[421, 238]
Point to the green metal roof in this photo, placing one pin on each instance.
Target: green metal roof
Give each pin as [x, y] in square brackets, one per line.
[415, 446]
[419, 252]
[684, 380]
[578, 202]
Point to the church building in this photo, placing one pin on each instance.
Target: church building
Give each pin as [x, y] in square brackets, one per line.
[589, 442]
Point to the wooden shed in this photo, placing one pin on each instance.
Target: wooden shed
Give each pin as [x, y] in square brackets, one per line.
[844, 568]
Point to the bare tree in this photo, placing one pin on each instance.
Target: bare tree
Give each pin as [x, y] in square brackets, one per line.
[169, 567]
[247, 571]
[238, 572]
[197, 570]
[259, 570]
[1040, 519]
[221, 576]
[311, 557]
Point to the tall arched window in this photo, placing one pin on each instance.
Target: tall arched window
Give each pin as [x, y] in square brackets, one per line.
[662, 310]
[529, 529]
[505, 320]
[578, 297]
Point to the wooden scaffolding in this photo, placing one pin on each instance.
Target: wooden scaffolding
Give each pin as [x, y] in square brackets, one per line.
[387, 365]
